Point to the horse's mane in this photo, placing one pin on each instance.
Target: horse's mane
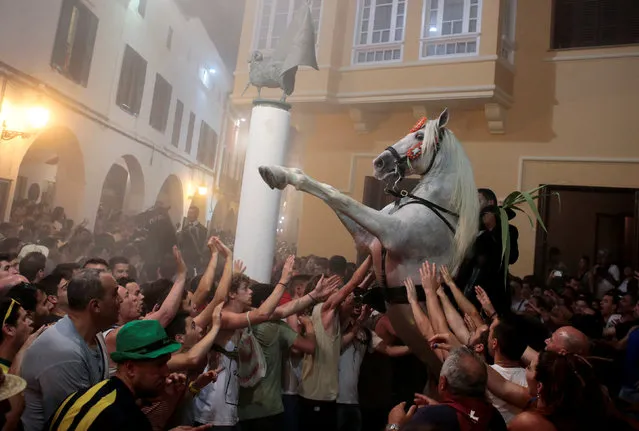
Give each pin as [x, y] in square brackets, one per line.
[464, 200]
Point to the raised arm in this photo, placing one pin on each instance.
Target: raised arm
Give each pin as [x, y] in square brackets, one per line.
[264, 312]
[193, 359]
[455, 321]
[421, 320]
[204, 318]
[465, 305]
[206, 282]
[172, 303]
[324, 289]
[428, 274]
[358, 277]
[510, 392]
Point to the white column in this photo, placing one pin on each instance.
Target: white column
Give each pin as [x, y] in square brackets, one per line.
[259, 205]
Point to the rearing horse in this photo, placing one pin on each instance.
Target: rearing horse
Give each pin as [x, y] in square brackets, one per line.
[436, 221]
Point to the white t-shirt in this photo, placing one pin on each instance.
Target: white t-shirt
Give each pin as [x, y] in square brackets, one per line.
[349, 362]
[217, 403]
[516, 375]
[604, 285]
[613, 320]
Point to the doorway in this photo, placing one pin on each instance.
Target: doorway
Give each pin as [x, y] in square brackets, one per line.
[586, 219]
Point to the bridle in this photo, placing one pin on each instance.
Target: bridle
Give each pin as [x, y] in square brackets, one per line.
[413, 153]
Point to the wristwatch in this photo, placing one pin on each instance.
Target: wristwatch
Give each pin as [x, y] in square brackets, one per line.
[392, 427]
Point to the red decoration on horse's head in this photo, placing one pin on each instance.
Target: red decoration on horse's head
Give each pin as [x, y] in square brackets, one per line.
[420, 124]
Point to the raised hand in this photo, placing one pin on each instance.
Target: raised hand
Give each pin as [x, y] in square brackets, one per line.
[211, 245]
[287, 270]
[470, 324]
[217, 315]
[399, 416]
[484, 300]
[410, 290]
[443, 341]
[175, 383]
[206, 378]
[179, 260]
[428, 275]
[446, 275]
[326, 287]
[364, 315]
[221, 247]
[238, 267]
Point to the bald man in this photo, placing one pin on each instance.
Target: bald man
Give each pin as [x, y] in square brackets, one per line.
[566, 339]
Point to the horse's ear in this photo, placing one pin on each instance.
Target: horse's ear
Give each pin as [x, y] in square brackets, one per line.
[443, 119]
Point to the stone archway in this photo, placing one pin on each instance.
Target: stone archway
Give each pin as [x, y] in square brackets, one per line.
[123, 187]
[55, 164]
[172, 195]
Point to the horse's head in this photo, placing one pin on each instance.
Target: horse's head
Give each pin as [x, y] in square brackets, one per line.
[415, 153]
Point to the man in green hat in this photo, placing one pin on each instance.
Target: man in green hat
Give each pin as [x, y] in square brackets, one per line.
[142, 352]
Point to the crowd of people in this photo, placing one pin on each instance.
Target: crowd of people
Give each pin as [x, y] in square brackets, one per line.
[142, 326]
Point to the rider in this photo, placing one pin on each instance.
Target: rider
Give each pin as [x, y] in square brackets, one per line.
[484, 266]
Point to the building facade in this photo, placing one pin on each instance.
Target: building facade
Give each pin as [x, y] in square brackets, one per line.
[136, 98]
[540, 92]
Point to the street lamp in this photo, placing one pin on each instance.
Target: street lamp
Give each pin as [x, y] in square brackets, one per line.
[20, 121]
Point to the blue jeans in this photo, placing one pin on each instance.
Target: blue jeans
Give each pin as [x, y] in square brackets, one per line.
[291, 412]
[349, 417]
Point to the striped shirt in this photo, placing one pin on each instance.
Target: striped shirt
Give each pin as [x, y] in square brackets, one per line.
[109, 405]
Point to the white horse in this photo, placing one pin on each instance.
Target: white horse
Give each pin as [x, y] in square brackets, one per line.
[437, 221]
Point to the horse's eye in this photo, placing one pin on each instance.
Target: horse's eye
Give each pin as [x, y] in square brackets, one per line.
[419, 136]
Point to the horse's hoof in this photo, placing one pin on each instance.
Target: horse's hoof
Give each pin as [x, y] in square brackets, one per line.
[271, 178]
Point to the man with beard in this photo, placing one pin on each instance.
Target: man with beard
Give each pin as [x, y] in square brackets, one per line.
[485, 267]
[143, 350]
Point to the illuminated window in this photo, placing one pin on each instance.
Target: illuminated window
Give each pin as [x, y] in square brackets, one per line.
[380, 34]
[450, 28]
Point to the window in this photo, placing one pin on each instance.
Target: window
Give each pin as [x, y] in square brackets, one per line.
[380, 31]
[590, 23]
[450, 28]
[507, 43]
[74, 41]
[276, 15]
[132, 78]
[189, 133]
[207, 145]
[177, 124]
[161, 103]
[169, 38]
[142, 8]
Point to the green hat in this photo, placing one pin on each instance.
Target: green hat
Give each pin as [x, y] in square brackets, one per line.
[142, 340]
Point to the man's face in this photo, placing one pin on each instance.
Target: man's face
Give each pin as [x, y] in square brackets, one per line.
[121, 270]
[192, 214]
[109, 304]
[193, 333]
[492, 342]
[626, 305]
[149, 377]
[188, 306]
[244, 295]
[63, 299]
[580, 306]
[131, 305]
[98, 266]
[43, 305]
[608, 306]
[24, 328]
[8, 268]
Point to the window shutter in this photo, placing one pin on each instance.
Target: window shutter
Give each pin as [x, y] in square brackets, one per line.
[137, 82]
[60, 44]
[83, 44]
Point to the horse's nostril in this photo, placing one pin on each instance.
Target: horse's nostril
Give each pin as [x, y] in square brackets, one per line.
[379, 163]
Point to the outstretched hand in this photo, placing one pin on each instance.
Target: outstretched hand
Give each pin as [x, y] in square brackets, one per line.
[287, 270]
[444, 341]
[206, 378]
[238, 266]
[428, 275]
[326, 287]
[411, 293]
[399, 416]
[179, 260]
[221, 247]
[448, 279]
[484, 300]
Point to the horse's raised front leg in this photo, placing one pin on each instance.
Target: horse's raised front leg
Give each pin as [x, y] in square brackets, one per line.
[382, 226]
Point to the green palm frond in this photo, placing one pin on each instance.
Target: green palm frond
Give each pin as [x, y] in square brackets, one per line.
[513, 202]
